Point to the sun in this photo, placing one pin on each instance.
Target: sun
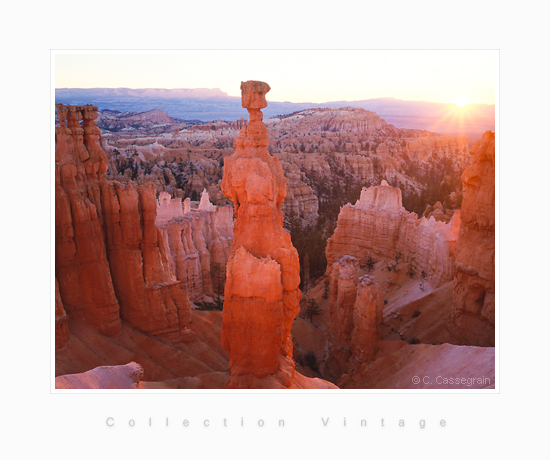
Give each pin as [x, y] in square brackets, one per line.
[461, 102]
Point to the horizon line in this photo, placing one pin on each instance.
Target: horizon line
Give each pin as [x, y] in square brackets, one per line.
[291, 102]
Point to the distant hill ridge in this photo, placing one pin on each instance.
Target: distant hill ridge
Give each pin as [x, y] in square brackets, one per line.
[177, 93]
[209, 104]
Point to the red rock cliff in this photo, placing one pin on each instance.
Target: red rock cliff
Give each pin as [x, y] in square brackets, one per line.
[111, 261]
[473, 316]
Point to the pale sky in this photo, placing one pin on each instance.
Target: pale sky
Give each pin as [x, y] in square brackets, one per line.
[295, 76]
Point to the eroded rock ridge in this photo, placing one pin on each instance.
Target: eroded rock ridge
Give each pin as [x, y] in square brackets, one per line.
[473, 316]
[111, 261]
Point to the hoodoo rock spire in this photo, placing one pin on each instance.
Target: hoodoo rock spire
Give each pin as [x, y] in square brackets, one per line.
[261, 293]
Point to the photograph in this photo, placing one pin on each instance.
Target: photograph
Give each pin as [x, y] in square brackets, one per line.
[274, 230]
[223, 223]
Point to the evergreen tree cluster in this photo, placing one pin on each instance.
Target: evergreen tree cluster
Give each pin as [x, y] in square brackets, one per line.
[311, 240]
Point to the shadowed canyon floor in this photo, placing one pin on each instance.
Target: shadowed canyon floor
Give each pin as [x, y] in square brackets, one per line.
[200, 357]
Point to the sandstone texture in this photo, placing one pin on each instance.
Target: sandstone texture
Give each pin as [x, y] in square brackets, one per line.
[168, 208]
[111, 261]
[261, 294]
[353, 329]
[103, 378]
[378, 225]
[473, 316]
[198, 242]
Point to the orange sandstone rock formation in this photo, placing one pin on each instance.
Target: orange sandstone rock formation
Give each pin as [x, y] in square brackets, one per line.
[167, 209]
[261, 293]
[111, 260]
[379, 225]
[353, 330]
[367, 316]
[473, 316]
[196, 241]
[81, 264]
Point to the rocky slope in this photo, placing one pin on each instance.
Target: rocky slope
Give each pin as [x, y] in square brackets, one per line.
[197, 361]
[113, 120]
[433, 367]
[473, 317]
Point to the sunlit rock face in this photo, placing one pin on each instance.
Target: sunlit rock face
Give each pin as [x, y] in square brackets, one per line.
[127, 376]
[371, 226]
[167, 208]
[473, 317]
[205, 204]
[110, 257]
[261, 293]
[378, 225]
[197, 242]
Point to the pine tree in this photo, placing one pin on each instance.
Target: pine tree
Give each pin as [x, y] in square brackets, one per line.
[312, 309]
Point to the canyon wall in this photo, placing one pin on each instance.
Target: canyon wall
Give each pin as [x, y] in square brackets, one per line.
[378, 225]
[473, 316]
[261, 293]
[111, 261]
